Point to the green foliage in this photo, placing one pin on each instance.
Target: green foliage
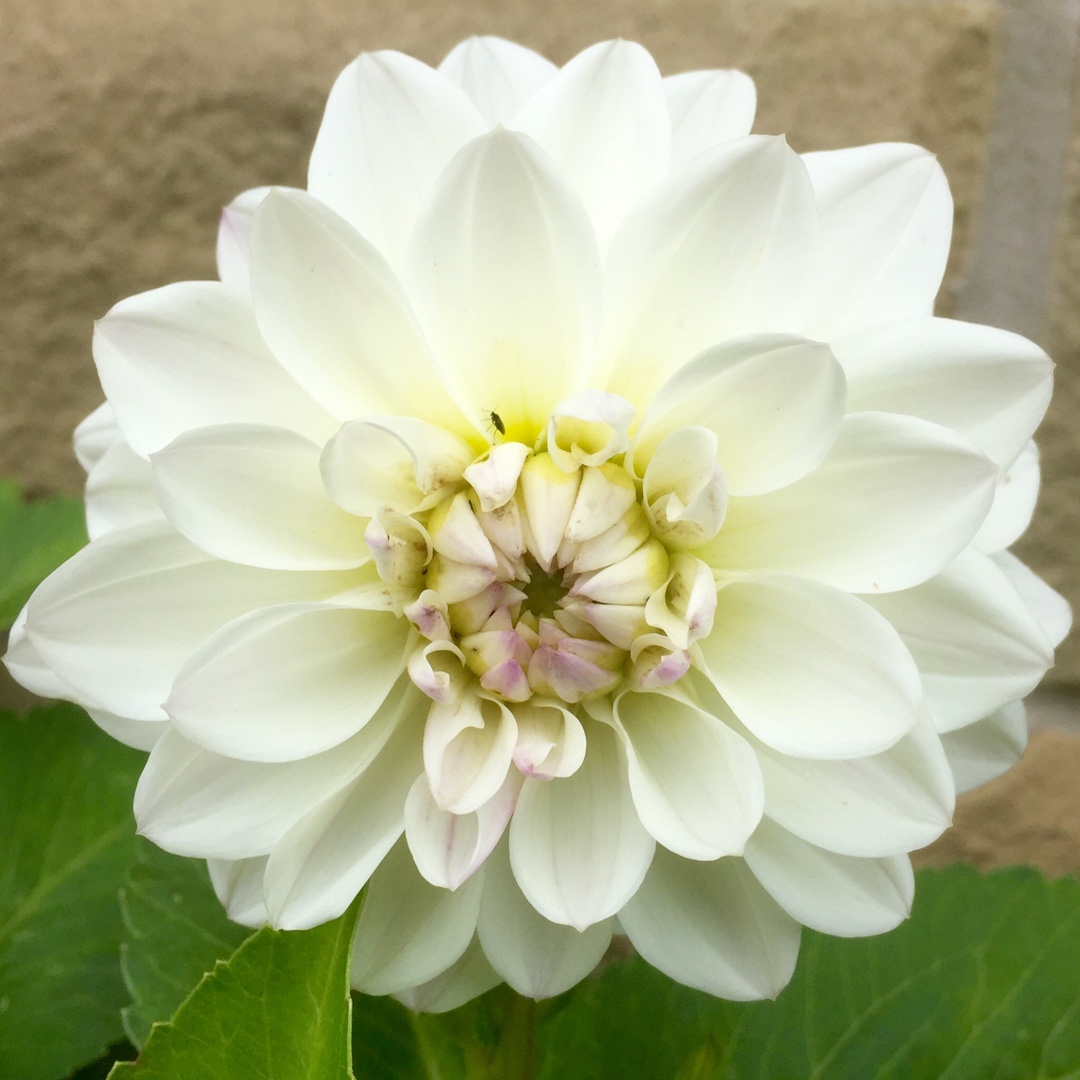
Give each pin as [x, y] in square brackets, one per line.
[176, 930]
[35, 538]
[278, 1009]
[982, 983]
[66, 839]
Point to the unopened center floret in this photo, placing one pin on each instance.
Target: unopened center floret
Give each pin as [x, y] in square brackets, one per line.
[555, 572]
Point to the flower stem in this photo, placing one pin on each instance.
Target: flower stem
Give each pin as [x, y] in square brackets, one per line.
[518, 1056]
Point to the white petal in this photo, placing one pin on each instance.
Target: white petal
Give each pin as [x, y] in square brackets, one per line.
[589, 428]
[834, 894]
[982, 751]
[1014, 503]
[95, 434]
[977, 645]
[536, 957]
[504, 269]
[239, 887]
[713, 927]
[810, 669]
[289, 681]
[886, 223]
[26, 666]
[578, 849]
[468, 747]
[498, 75]
[773, 401]
[722, 247]
[119, 619]
[234, 238]
[449, 848]
[684, 489]
[120, 492]
[886, 804]
[988, 384]
[140, 734]
[392, 461]
[390, 126]
[470, 977]
[324, 860]
[708, 108]
[696, 783]
[551, 741]
[494, 478]
[336, 317]
[604, 120]
[1045, 603]
[194, 802]
[410, 931]
[254, 495]
[189, 355]
[893, 503]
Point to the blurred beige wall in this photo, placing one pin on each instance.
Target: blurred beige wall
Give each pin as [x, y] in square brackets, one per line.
[125, 125]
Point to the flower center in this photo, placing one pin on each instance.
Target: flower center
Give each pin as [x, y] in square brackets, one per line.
[555, 572]
[544, 592]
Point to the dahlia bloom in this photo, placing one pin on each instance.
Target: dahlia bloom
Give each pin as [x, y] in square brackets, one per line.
[565, 518]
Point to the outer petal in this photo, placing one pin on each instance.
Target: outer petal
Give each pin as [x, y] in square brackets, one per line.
[118, 620]
[140, 734]
[324, 860]
[391, 125]
[470, 977]
[194, 802]
[708, 108]
[991, 386]
[809, 669]
[120, 492]
[409, 930]
[604, 120]
[893, 503]
[504, 268]
[977, 645]
[696, 783]
[536, 957]
[239, 888]
[1014, 503]
[95, 434]
[886, 221]
[723, 246]
[834, 894]
[773, 401]
[713, 927]
[886, 804]
[254, 495]
[499, 76]
[982, 751]
[189, 355]
[333, 312]
[1045, 603]
[234, 238]
[28, 669]
[578, 849]
[287, 682]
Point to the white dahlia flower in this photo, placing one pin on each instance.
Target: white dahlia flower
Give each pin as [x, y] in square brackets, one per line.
[566, 518]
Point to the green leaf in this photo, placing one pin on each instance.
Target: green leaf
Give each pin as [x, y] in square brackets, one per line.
[982, 983]
[278, 1009]
[35, 538]
[384, 1040]
[66, 839]
[176, 930]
